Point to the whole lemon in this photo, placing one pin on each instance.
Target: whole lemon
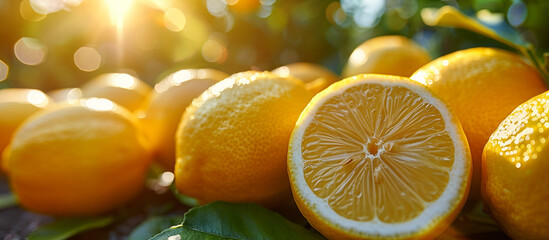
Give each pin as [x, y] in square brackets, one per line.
[16, 105]
[315, 77]
[483, 85]
[233, 139]
[392, 54]
[121, 88]
[167, 102]
[78, 159]
[65, 94]
[515, 163]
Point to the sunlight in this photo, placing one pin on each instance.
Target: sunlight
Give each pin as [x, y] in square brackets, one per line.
[98, 104]
[118, 10]
[37, 98]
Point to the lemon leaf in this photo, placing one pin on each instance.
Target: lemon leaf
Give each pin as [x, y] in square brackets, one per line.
[186, 200]
[222, 220]
[8, 200]
[449, 16]
[154, 225]
[68, 227]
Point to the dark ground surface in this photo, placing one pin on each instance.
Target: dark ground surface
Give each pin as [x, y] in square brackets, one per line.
[16, 223]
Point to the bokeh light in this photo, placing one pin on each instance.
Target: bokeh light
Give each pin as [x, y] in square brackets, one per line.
[365, 13]
[123, 80]
[28, 13]
[4, 70]
[517, 13]
[87, 59]
[30, 51]
[214, 50]
[490, 18]
[174, 19]
[217, 8]
[98, 104]
[37, 98]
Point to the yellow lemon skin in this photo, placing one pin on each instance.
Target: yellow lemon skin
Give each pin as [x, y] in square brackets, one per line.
[16, 105]
[233, 139]
[78, 159]
[515, 163]
[167, 103]
[121, 88]
[392, 54]
[483, 85]
[66, 94]
[315, 77]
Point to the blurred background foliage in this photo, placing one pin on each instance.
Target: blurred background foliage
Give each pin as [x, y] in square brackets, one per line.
[50, 44]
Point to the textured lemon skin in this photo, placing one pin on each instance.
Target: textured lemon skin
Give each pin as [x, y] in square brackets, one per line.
[483, 85]
[15, 107]
[167, 103]
[393, 55]
[70, 160]
[233, 139]
[514, 191]
[332, 230]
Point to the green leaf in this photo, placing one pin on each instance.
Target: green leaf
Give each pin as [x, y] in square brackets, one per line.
[448, 16]
[181, 232]
[68, 227]
[186, 200]
[8, 200]
[221, 220]
[154, 225]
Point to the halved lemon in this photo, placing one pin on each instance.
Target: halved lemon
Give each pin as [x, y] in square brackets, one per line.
[378, 156]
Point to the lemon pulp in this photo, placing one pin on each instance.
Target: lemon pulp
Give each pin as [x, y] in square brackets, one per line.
[377, 153]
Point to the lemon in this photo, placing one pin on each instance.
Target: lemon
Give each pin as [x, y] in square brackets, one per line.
[483, 85]
[66, 94]
[379, 157]
[315, 77]
[394, 55]
[78, 159]
[233, 139]
[515, 163]
[167, 102]
[16, 105]
[121, 88]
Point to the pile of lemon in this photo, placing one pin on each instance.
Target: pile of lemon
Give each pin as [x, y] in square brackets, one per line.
[394, 150]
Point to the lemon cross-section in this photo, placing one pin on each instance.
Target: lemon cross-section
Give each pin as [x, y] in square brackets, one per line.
[375, 152]
[377, 157]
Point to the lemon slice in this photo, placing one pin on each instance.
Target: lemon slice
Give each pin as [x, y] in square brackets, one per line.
[378, 156]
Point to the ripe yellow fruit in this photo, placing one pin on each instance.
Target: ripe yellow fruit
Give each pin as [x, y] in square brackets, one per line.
[379, 157]
[315, 77]
[483, 85]
[121, 88]
[515, 166]
[16, 105]
[78, 159]
[233, 139]
[66, 95]
[394, 55]
[167, 103]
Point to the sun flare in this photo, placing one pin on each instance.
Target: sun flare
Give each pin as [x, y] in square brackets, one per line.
[118, 9]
